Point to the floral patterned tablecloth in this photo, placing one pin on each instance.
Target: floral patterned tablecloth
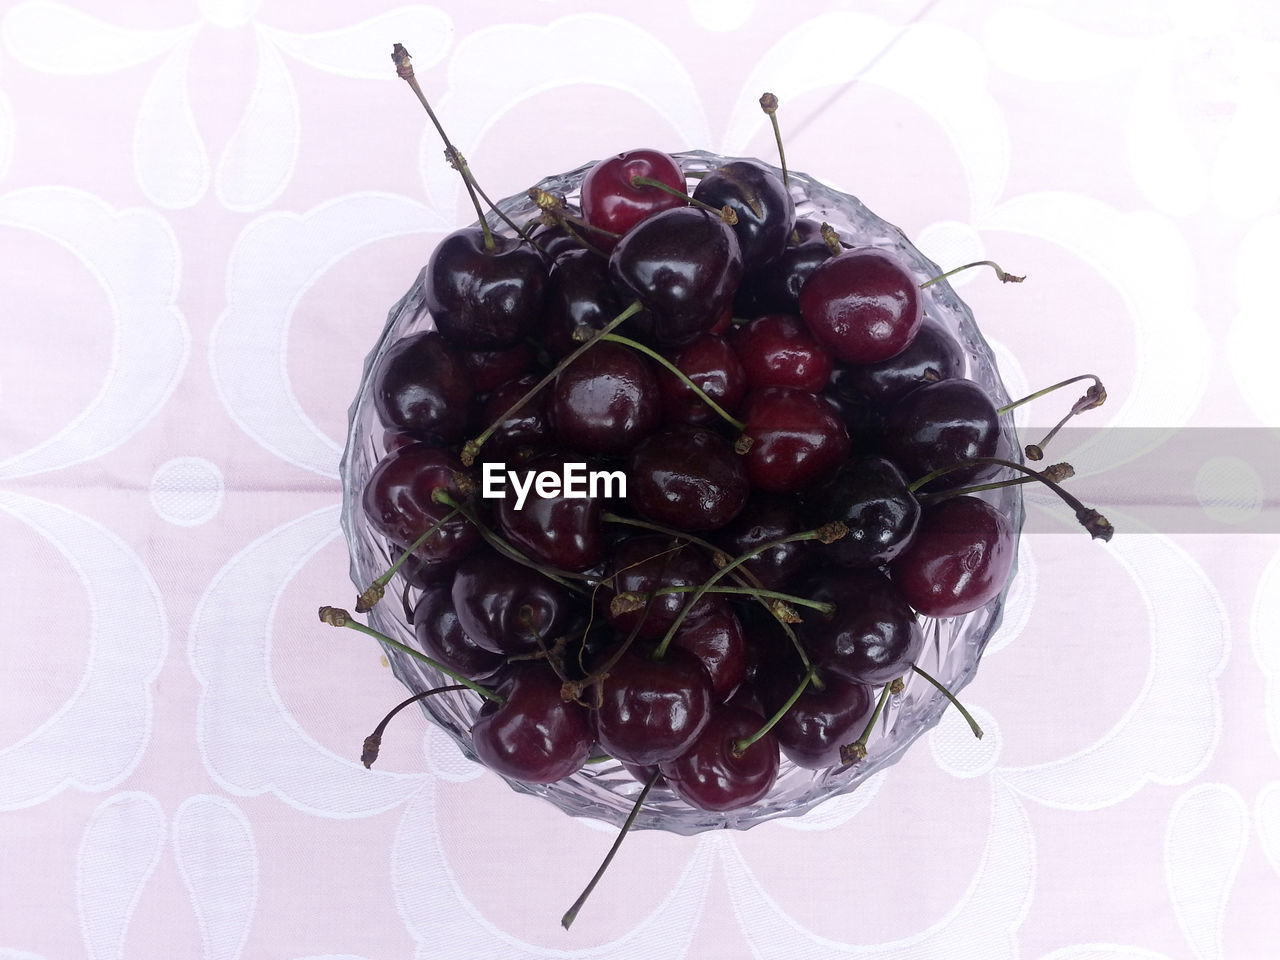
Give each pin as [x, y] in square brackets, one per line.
[206, 209]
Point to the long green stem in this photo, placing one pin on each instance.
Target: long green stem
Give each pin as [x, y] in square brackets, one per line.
[679, 374]
[740, 746]
[472, 447]
[851, 752]
[375, 591]
[337, 617]
[373, 742]
[973, 724]
[1004, 277]
[572, 913]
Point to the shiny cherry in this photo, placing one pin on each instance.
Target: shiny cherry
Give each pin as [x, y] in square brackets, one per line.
[422, 386]
[778, 350]
[872, 637]
[505, 606]
[766, 518]
[440, 635]
[764, 208]
[871, 496]
[611, 201]
[713, 365]
[821, 720]
[562, 531]
[959, 560]
[687, 477]
[652, 710]
[683, 265]
[484, 299]
[606, 400]
[534, 735]
[863, 305]
[941, 424]
[712, 775]
[775, 286]
[797, 439]
[933, 354]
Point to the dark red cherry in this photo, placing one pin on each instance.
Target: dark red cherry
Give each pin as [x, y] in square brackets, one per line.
[397, 500]
[766, 518]
[505, 606]
[421, 386]
[719, 642]
[940, 424]
[647, 563]
[777, 350]
[863, 305]
[606, 400]
[440, 636]
[959, 559]
[489, 369]
[797, 439]
[775, 286]
[652, 710]
[518, 435]
[688, 478]
[484, 299]
[534, 736]
[821, 721]
[871, 496]
[612, 202]
[579, 294]
[872, 637]
[683, 265]
[561, 530]
[766, 213]
[711, 363]
[932, 355]
[712, 775]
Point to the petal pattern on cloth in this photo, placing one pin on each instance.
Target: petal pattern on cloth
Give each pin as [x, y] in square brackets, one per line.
[218, 861]
[249, 742]
[169, 155]
[247, 352]
[55, 38]
[151, 338]
[95, 740]
[118, 852]
[1171, 729]
[1203, 849]
[606, 50]
[445, 924]
[363, 50]
[259, 160]
[982, 926]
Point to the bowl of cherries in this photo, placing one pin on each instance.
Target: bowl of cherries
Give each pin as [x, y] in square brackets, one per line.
[682, 491]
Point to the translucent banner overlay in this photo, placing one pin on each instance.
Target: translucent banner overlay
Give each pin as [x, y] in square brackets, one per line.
[1162, 480]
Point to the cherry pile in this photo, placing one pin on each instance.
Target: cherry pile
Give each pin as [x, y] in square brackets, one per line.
[670, 479]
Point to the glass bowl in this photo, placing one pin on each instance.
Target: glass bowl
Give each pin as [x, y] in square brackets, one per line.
[604, 790]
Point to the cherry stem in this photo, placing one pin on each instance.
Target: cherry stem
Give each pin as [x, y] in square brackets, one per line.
[858, 749]
[824, 608]
[337, 617]
[1056, 472]
[373, 742]
[1095, 396]
[741, 746]
[472, 447]
[769, 104]
[1004, 276]
[375, 591]
[973, 724]
[826, 533]
[724, 213]
[572, 913]
[743, 575]
[1099, 527]
[681, 375]
[404, 68]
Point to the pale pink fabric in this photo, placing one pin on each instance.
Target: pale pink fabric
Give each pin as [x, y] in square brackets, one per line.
[206, 210]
